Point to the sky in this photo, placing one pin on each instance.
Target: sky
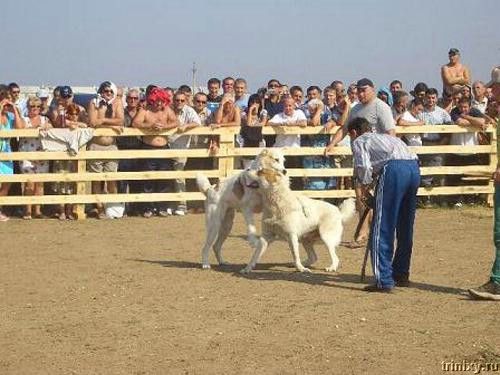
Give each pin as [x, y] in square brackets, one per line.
[313, 42]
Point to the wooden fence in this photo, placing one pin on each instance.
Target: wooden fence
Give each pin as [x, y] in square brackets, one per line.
[227, 154]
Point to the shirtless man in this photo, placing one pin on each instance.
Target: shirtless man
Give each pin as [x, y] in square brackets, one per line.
[454, 73]
[105, 111]
[157, 116]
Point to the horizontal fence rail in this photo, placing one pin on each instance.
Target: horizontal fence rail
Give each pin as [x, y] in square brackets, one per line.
[227, 157]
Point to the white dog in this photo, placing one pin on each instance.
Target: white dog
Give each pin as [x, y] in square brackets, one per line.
[238, 192]
[297, 218]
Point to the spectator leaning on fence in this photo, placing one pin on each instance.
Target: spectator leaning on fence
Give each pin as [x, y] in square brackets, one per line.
[157, 116]
[105, 111]
[10, 118]
[187, 119]
[34, 121]
[410, 118]
[132, 99]
[316, 117]
[491, 290]
[433, 115]
[379, 116]
[289, 117]
[252, 121]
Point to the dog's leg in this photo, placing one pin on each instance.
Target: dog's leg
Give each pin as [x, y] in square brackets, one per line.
[311, 254]
[225, 229]
[252, 237]
[293, 241]
[331, 235]
[263, 244]
[213, 227]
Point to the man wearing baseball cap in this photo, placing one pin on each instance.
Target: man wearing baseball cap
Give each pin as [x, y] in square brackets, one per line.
[379, 116]
[491, 290]
[454, 74]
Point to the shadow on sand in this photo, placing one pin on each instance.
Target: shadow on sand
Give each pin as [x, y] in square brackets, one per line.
[275, 271]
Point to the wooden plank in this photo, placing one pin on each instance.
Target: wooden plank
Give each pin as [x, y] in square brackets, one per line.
[97, 155]
[110, 176]
[100, 198]
[470, 170]
[206, 130]
[188, 196]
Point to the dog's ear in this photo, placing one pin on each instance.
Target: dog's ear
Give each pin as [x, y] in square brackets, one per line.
[238, 189]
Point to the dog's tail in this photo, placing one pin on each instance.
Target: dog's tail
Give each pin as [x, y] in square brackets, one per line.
[206, 187]
[347, 209]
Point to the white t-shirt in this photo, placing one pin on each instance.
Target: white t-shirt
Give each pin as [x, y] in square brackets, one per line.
[412, 139]
[187, 115]
[288, 140]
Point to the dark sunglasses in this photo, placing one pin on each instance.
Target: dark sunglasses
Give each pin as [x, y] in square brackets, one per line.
[109, 91]
[179, 100]
[132, 97]
[201, 101]
[35, 106]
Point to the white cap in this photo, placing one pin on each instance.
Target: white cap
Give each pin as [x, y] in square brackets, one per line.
[42, 93]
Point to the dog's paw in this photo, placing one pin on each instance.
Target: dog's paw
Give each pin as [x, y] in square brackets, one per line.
[331, 269]
[205, 266]
[246, 270]
[304, 269]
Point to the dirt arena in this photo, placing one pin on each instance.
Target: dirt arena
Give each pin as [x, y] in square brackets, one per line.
[129, 297]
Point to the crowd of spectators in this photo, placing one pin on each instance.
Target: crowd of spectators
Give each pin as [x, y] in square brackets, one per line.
[228, 103]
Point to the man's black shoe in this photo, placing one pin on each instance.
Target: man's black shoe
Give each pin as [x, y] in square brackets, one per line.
[375, 288]
[401, 281]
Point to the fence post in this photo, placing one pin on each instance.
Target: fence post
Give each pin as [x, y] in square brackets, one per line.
[81, 187]
[226, 145]
[490, 200]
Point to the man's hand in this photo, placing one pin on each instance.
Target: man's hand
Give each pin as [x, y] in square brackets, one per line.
[328, 149]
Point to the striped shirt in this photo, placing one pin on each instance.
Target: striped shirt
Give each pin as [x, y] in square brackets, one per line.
[373, 150]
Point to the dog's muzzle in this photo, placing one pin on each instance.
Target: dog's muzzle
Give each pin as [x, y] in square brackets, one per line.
[252, 185]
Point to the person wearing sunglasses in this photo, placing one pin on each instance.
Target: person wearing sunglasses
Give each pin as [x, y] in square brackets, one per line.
[105, 111]
[34, 120]
[132, 100]
[188, 119]
[19, 102]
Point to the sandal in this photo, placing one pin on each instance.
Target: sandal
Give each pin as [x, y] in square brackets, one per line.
[3, 217]
[62, 216]
[27, 217]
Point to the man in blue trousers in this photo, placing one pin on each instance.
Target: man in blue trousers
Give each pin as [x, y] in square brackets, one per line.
[387, 161]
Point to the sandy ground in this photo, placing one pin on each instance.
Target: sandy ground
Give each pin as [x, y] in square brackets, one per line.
[129, 297]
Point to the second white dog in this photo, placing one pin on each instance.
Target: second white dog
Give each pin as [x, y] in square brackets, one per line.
[297, 218]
